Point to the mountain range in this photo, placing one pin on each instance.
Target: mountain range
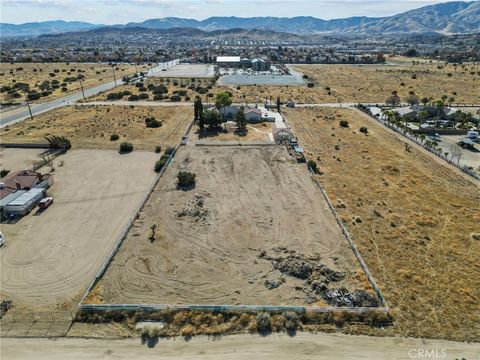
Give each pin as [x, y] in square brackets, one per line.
[457, 17]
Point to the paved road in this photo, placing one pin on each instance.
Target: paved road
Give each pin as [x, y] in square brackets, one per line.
[19, 115]
[303, 346]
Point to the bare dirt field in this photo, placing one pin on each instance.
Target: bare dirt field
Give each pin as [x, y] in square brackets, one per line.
[92, 126]
[239, 237]
[35, 74]
[19, 159]
[51, 256]
[303, 346]
[374, 83]
[418, 220]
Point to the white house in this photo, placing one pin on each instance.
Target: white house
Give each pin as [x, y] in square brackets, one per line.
[253, 115]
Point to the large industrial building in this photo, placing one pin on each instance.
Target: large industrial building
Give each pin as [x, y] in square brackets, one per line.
[256, 64]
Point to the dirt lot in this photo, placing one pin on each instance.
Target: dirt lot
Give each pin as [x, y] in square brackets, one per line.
[19, 159]
[217, 243]
[351, 83]
[91, 126]
[50, 257]
[35, 74]
[418, 220]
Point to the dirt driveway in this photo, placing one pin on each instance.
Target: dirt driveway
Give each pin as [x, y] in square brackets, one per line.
[50, 257]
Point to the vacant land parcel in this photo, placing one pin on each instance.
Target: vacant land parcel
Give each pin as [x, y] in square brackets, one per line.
[255, 230]
[50, 257]
[52, 80]
[374, 83]
[92, 126]
[419, 220]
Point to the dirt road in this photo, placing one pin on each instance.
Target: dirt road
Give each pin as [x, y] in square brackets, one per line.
[276, 347]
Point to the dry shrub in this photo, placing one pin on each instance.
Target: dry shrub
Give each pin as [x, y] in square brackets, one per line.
[278, 322]
[187, 331]
[264, 323]
[291, 320]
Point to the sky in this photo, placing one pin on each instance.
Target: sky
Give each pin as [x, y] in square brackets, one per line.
[123, 11]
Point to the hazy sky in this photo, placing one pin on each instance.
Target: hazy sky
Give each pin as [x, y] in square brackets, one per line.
[122, 11]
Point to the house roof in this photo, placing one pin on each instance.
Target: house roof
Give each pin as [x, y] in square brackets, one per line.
[26, 179]
[257, 111]
[277, 131]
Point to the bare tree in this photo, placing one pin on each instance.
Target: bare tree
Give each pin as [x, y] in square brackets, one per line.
[456, 153]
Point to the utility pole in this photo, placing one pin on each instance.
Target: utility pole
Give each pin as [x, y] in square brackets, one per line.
[28, 104]
[81, 87]
[114, 77]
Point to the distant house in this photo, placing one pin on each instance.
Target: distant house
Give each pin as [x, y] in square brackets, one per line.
[282, 135]
[23, 180]
[253, 115]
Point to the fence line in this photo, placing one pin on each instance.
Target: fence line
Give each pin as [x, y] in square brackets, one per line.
[132, 219]
[226, 308]
[234, 143]
[434, 151]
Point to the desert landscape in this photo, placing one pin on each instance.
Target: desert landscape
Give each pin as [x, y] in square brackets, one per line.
[233, 239]
[56, 79]
[92, 126]
[418, 219]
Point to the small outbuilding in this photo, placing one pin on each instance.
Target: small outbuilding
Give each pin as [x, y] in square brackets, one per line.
[282, 135]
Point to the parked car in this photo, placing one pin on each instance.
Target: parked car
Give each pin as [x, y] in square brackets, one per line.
[472, 134]
[45, 202]
[467, 144]
[2, 239]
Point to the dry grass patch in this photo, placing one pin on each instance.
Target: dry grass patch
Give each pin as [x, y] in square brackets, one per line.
[92, 126]
[417, 217]
[374, 83]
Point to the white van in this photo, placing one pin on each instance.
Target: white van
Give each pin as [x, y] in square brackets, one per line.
[472, 134]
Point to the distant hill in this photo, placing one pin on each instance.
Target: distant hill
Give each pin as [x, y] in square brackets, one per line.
[45, 27]
[446, 18]
[181, 32]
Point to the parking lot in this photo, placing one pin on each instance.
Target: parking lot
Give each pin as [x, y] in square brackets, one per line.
[187, 71]
[467, 158]
[50, 257]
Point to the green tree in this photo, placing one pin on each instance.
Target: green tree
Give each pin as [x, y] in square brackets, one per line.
[212, 118]
[279, 103]
[241, 120]
[221, 101]
[198, 112]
